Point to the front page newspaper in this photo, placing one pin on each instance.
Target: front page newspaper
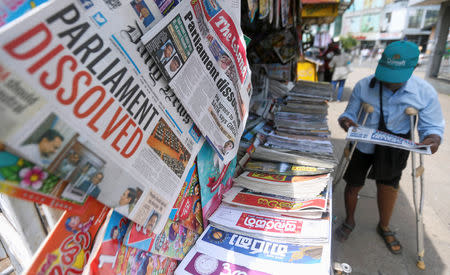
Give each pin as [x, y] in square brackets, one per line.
[200, 52]
[80, 96]
[364, 134]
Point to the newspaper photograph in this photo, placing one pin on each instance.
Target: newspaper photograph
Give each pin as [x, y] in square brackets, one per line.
[364, 134]
[262, 255]
[201, 52]
[269, 225]
[82, 98]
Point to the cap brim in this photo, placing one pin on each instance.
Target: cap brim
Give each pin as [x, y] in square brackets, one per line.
[389, 75]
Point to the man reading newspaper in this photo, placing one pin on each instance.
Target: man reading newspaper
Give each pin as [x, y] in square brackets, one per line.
[390, 91]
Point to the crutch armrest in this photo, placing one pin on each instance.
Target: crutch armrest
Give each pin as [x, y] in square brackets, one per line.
[411, 111]
[368, 108]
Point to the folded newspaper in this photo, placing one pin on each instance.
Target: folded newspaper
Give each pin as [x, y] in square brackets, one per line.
[269, 225]
[201, 52]
[218, 250]
[364, 134]
[82, 98]
[238, 196]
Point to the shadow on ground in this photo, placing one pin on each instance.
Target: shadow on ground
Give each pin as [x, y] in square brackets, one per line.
[365, 250]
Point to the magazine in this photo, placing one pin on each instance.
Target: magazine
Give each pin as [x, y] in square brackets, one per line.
[201, 52]
[111, 256]
[13, 9]
[238, 196]
[105, 254]
[174, 241]
[269, 225]
[67, 248]
[215, 180]
[283, 168]
[188, 207]
[364, 134]
[298, 187]
[84, 100]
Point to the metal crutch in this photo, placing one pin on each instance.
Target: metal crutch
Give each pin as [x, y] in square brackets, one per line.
[347, 154]
[418, 201]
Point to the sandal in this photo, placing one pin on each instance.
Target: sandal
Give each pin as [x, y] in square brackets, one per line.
[395, 242]
[343, 231]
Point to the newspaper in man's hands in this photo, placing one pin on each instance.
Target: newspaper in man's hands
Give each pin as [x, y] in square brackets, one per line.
[364, 134]
[200, 51]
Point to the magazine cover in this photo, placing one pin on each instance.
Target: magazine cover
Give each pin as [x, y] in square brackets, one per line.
[174, 241]
[24, 180]
[13, 9]
[247, 198]
[111, 241]
[67, 248]
[188, 207]
[215, 179]
[133, 261]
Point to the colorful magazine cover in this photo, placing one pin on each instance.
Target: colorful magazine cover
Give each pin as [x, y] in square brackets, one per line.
[215, 180]
[105, 258]
[13, 9]
[174, 241]
[188, 207]
[24, 180]
[67, 248]
[133, 261]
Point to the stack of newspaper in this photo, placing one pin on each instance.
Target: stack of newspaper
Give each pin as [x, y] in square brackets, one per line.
[275, 219]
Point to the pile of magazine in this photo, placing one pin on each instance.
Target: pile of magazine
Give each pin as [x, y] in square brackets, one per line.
[275, 218]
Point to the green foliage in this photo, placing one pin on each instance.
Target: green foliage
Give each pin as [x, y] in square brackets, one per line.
[348, 42]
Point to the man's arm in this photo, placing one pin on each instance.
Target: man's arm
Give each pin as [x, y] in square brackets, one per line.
[431, 122]
[349, 117]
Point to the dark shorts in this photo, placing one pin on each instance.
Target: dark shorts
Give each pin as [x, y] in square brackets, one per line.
[358, 168]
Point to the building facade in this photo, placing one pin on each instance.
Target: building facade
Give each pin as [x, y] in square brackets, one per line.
[380, 22]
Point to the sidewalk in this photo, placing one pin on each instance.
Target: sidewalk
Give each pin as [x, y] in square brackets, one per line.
[365, 251]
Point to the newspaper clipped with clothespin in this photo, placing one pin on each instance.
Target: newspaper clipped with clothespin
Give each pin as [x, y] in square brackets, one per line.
[364, 134]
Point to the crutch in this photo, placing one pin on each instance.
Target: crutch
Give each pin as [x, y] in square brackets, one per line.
[418, 195]
[347, 155]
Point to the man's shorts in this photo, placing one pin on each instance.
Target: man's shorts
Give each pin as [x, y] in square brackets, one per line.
[358, 168]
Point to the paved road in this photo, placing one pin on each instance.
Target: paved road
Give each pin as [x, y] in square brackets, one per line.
[364, 250]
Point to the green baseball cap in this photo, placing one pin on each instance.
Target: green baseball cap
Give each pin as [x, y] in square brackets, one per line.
[398, 62]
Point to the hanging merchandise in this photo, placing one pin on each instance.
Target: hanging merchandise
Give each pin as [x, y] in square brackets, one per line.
[264, 9]
[271, 10]
[252, 9]
[284, 12]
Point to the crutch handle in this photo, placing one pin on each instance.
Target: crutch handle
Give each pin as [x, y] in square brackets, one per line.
[411, 111]
[367, 108]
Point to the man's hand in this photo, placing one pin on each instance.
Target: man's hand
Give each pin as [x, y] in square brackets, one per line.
[347, 123]
[434, 141]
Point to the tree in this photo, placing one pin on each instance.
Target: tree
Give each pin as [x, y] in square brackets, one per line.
[348, 42]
